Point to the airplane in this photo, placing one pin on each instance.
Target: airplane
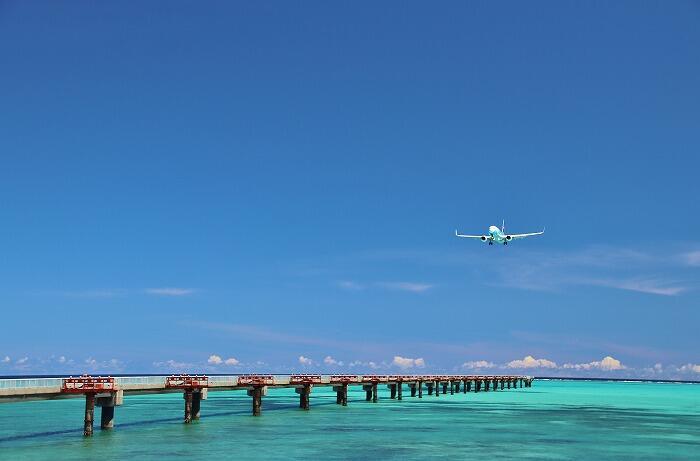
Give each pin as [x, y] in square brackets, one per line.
[498, 235]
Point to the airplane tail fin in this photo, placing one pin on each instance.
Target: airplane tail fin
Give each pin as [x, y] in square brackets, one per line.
[503, 226]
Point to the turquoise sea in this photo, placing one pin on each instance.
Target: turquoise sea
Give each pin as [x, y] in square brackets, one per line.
[551, 420]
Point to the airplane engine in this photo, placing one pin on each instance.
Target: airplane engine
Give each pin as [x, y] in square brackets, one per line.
[508, 238]
[484, 238]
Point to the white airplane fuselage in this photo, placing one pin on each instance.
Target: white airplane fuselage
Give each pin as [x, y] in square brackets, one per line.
[496, 235]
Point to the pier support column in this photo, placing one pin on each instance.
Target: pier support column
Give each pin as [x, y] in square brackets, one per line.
[487, 384]
[477, 385]
[420, 389]
[196, 404]
[509, 383]
[503, 384]
[107, 417]
[374, 393]
[494, 384]
[444, 388]
[107, 401]
[457, 384]
[341, 393]
[399, 391]
[392, 391]
[429, 385]
[437, 388]
[89, 414]
[414, 388]
[187, 395]
[257, 393]
[304, 393]
[467, 386]
[368, 392]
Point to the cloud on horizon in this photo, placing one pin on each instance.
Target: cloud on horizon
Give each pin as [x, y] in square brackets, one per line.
[531, 362]
[169, 291]
[405, 362]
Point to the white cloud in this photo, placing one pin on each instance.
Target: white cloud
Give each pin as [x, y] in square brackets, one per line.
[7, 359]
[305, 361]
[350, 285]
[231, 361]
[478, 364]
[370, 364]
[22, 361]
[406, 286]
[608, 364]
[331, 361]
[692, 258]
[171, 364]
[404, 362]
[652, 286]
[690, 367]
[214, 360]
[62, 359]
[531, 362]
[169, 291]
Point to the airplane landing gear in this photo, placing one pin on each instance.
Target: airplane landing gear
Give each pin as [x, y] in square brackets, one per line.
[490, 242]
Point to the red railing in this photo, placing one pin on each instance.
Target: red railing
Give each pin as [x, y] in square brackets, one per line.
[256, 380]
[186, 381]
[88, 384]
[344, 379]
[305, 379]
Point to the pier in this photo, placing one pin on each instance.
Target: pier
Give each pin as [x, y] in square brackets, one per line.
[108, 392]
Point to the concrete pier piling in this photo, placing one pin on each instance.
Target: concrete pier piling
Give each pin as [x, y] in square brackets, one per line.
[437, 388]
[399, 391]
[256, 393]
[374, 393]
[368, 392]
[188, 405]
[196, 404]
[341, 392]
[414, 388]
[420, 389]
[107, 402]
[457, 384]
[444, 387]
[392, 391]
[467, 385]
[89, 414]
[304, 393]
[429, 385]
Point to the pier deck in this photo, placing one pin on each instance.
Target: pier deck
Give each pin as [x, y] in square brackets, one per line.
[108, 392]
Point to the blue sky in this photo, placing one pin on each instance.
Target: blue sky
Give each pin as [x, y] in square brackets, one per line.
[277, 186]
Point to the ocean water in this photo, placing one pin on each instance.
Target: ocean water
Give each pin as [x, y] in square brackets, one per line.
[551, 420]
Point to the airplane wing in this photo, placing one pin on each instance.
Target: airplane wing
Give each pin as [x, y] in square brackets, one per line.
[520, 236]
[467, 236]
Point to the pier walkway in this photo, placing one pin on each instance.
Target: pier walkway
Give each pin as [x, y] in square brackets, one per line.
[108, 392]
